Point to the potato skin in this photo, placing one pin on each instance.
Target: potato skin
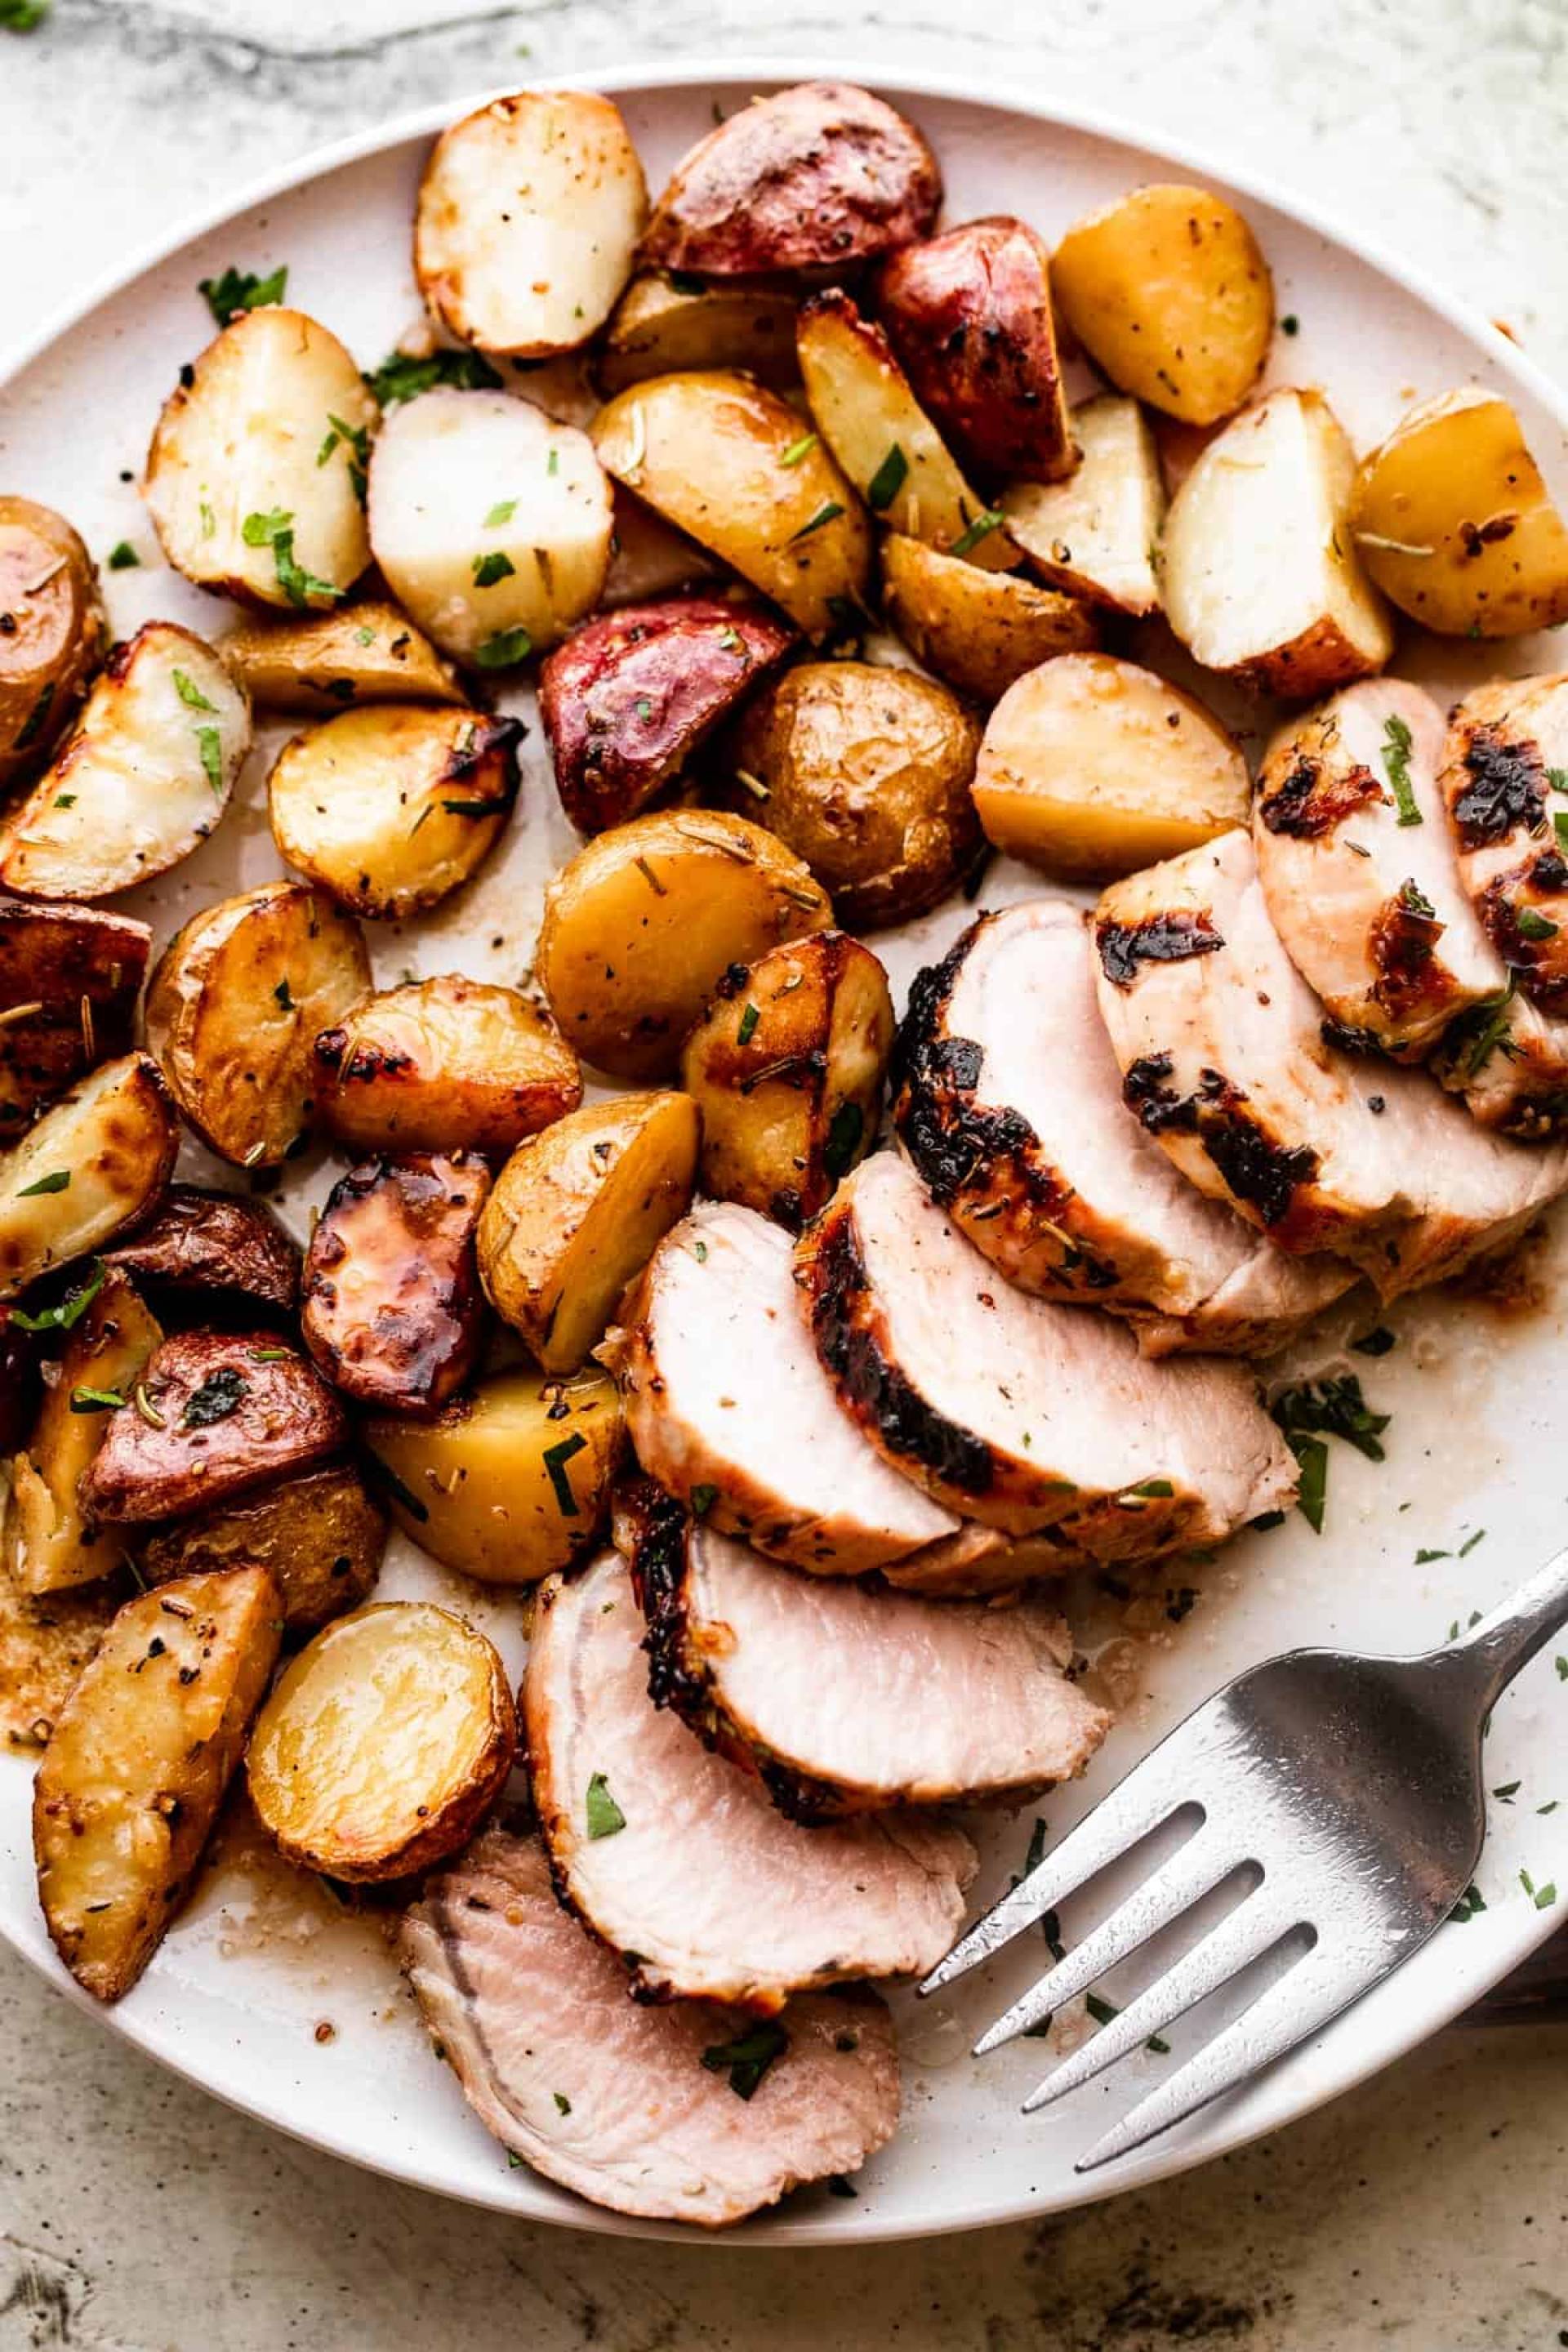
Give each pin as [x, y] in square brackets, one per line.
[626, 700]
[660, 327]
[867, 772]
[978, 630]
[968, 315]
[320, 1537]
[49, 590]
[390, 1306]
[444, 1062]
[214, 1242]
[320, 663]
[818, 178]
[81, 970]
[114, 1138]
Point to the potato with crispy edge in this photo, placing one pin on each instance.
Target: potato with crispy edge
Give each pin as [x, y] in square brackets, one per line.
[69, 979]
[137, 1765]
[977, 630]
[662, 325]
[447, 1062]
[256, 475]
[1093, 766]
[96, 1160]
[786, 1067]
[45, 1643]
[390, 1306]
[1169, 293]
[319, 663]
[628, 699]
[55, 635]
[510, 1481]
[320, 1537]
[576, 1213]
[213, 1243]
[1097, 535]
[731, 464]
[235, 1006]
[384, 1744]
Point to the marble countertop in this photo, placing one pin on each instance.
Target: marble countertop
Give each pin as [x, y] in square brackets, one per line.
[1426, 2208]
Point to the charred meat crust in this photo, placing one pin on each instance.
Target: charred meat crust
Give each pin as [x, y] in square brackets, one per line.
[1505, 789]
[203, 1241]
[1520, 910]
[1158, 939]
[1402, 944]
[1265, 1174]
[407, 1338]
[1309, 800]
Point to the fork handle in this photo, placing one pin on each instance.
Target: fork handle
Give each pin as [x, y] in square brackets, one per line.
[1492, 1651]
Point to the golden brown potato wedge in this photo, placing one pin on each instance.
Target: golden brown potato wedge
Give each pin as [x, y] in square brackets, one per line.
[94, 1162]
[214, 1415]
[1097, 535]
[816, 177]
[1454, 524]
[731, 464]
[638, 925]
[663, 325]
[392, 808]
[384, 1743]
[320, 1537]
[392, 1311]
[866, 774]
[1091, 765]
[445, 1062]
[366, 652]
[512, 1481]
[577, 1213]
[212, 1241]
[650, 559]
[45, 1643]
[786, 1068]
[235, 1008]
[978, 630]
[69, 978]
[56, 637]
[1168, 293]
[137, 1765]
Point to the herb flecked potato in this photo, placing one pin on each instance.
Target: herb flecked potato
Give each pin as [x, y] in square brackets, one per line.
[391, 1308]
[447, 1063]
[96, 1162]
[978, 630]
[316, 664]
[663, 325]
[1097, 535]
[320, 1536]
[69, 979]
[48, 593]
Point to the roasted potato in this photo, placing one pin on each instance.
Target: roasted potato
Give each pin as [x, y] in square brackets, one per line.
[1092, 766]
[1168, 293]
[69, 979]
[887, 444]
[235, 1008]
[51, 1543]
[1261, 575]
[1454, 524]
[143, 777]
[968, 315]
[628, 699]
[512, 1481]
[213, 1243]
[392, 808]
[490, 521]
[384, 1743]
[816, 178]
[731, 464]
[45, 1643]
[866, 773]
[650, 559]
[663, 325]
[366, 652]
[528, 215]
[577, 1213]
[137, 1765]
[638, 925]
[53, 634]
[215, 1414]
[320, 1538]
[256, 477]
[786, 1068]
[392, 1311]
[445, 1062]
[94, 1162]
[978, 630]
[1098, 534]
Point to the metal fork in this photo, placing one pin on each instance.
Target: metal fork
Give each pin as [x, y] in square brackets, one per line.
[1349, 1788]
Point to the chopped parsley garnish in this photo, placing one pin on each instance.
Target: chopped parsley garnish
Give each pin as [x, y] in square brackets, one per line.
[1558, 779]
[57, 1181]
[747, 2059]
[1467, 1546]
[190, 693]
[556, 1457]
[122, 557]
[209, 745]
[1543, 1897]
[1468, 1904]
[980, 528]
[702, 1500]
[1414, 902]
[603, 1814]
[1313, 1462]
[825, 514]
[209, 521]
[241, 289]
[844, 1135]
[1376, 1342]
[799, 449]
[1429, 1552]
[552, 463]
[749, 1020]
[221, 1393]
[472, 808]
[23, 16]
[358, 439]
[888, 480]
[1336, 1407]
[562, 2103]
[504, 650]
[71, 1309]
[399, 378]
[1396, 749]
[1531, 925]
[64, 800]
[1507, 1792]
[502, 511]
[276, 529]
[489, 569]
[1151, 1489]
[1495, 1018]
[96, 1399]
[1560, 828]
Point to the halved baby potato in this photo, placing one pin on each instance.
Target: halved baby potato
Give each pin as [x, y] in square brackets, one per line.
[235, 1008]
[576, 1213]
[216, 1244]
[55, 635]
[94, 1162]
[733, 466]
[1093, 766]
[256, 476]
[650, 558]
[1454, 524]
[143, 777]
[639, 925]
[512, 1481]
[977, 630]
[1097, 535]
[392, 808]
[69, 979]
[383, 1743]
[391, 1308]
[490, 521]
[320, 1537]
[366, 652]
[527, 219]
[446, 1063]
[663, 324]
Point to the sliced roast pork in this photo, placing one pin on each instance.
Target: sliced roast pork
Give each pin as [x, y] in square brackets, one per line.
[846, 1699]
[679, 1860]
[1359, 873]
[1019, 1412]
[1008, 1100]
[1509, 1062]
[677, 2112]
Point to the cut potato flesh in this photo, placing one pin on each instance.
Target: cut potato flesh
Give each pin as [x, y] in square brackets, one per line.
[1095, 535]
[661, 327]
[69, 979]
[446, 1063]
[369, 652]
[977, 630]
[90, 1166]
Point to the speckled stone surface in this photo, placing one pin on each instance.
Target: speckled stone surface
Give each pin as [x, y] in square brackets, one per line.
[1425, 2211]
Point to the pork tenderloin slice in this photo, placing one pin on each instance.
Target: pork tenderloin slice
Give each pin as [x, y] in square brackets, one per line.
[1504, 774]
[613, 2099]
[1509, 1062]
[1023, 1414]
[675, 1856]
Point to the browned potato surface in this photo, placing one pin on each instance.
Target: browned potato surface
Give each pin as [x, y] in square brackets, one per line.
[44, 1643]
[69, 978]
[94, 1162]
[137, 1765]
[978, 630]
[445, 1062]
[365, 652]
[391, 1310]
[53, 638]
[320, 1537]
[663, 324]
[214, 1242]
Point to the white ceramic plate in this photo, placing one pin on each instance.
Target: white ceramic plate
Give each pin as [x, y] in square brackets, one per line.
[237, 1995]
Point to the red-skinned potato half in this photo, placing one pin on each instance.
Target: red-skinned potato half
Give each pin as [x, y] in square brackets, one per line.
[628, 699]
